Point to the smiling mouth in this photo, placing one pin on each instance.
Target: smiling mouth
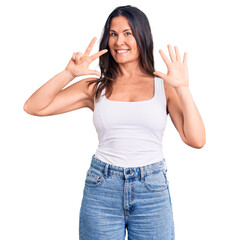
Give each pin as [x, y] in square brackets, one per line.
[121, 51]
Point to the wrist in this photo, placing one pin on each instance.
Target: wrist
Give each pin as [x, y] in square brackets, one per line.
[182, 90]
[181, 87]
[68, 74]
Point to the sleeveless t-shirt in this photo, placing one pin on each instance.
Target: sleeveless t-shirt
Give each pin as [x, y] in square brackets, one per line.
[130, 133]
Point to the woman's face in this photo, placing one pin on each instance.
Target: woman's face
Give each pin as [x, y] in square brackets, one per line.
[122, 44]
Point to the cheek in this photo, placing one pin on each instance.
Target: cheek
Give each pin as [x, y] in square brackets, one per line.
[110, 42]
[134, 45]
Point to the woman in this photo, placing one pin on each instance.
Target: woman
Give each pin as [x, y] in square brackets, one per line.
[126, 184]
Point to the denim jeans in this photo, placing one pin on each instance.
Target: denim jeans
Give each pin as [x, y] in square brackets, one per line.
[117, 198]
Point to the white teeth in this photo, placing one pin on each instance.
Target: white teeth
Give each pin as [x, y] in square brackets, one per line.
[121, 51]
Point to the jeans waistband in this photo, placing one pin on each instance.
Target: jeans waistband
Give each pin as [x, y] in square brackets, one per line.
[109, 169]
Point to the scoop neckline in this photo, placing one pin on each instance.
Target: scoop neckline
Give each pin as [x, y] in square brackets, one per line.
[143, 101]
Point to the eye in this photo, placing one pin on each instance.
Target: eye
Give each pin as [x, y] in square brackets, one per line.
[112, 35]
[128, 33]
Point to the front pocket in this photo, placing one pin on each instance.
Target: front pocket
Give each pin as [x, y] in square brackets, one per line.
[156, 181]
[94, 178]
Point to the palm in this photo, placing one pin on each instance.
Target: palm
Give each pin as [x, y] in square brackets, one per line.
[79, 63]
[177, 74]
[84, 62]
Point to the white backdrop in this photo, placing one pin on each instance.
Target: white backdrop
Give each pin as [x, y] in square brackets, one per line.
[44, 159]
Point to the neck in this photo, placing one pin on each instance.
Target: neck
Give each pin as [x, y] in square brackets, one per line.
[130, 70]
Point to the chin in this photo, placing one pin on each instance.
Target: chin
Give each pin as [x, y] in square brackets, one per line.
[121, 61]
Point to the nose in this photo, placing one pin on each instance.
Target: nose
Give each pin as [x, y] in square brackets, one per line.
[119, 40]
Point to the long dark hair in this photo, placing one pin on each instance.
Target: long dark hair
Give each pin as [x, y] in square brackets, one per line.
[142, 32]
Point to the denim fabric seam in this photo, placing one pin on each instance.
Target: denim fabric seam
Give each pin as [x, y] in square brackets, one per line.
[155, 190]
[146, 173]
[97, 184]
[113, 172]
[89, 173]
[132, 193]
[160, 189]
[125, 202]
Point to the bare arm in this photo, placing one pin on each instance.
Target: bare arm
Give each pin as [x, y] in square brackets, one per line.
[50, 99]
[43, 96]
[181, 106]
[186, 117]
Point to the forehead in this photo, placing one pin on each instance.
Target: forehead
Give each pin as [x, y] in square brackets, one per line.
[119, 23]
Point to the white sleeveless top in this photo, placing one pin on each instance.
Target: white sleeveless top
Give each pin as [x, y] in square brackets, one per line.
[130, 133]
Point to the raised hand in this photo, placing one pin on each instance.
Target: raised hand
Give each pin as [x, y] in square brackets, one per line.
[79, 63]
[177, 74]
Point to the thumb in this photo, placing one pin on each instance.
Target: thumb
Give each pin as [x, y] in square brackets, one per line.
[160, 74]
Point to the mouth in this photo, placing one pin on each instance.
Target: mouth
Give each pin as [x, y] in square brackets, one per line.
[122, 51]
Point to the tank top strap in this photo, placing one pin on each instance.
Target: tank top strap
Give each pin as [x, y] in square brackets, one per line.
[103, 91]
[159, 90]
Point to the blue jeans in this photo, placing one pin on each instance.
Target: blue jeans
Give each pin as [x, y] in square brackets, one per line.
[117, 198]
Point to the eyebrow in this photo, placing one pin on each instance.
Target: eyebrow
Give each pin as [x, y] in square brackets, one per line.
[123, 31]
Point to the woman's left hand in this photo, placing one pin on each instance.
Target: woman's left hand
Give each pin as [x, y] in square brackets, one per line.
[177, 75]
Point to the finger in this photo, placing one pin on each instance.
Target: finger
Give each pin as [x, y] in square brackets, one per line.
[98, 54]
[171, 53]
[73, 56]
[78, 55]
[177, 54]
[185, 58]
[160, 74]
[90, 46]
[166, 60]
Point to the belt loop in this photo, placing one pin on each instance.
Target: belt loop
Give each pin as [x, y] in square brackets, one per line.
[106, 170]
[142, 174]
[124, 172]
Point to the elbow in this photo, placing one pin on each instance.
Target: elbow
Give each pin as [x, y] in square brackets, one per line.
[27, 110]
[199, 143]
[195, 140]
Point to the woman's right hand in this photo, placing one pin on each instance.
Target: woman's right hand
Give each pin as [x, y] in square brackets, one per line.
[79, 63]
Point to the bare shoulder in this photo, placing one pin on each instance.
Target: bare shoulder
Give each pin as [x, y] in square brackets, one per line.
[171, 97]
[170, 92]
[89, 90]
[173, 103]
[167, 89]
